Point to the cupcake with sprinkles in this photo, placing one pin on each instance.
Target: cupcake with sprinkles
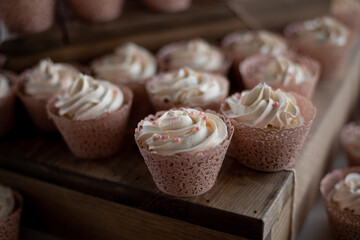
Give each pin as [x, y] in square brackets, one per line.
[270, 126]
[92, 116]
[184, 149]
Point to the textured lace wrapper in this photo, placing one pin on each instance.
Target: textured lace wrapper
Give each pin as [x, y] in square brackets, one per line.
[344, 224]
[165, 67]
[94, 138]
[9, 227]
[332, 58]
[168, 5]
[36, 109]
[7, 104]
[251, 67]
[271, 150]
[160, 104]
[185, 174]
[97, 11]
[346, 131]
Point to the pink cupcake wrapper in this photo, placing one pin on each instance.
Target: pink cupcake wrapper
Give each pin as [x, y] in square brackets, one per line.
[168, 5]
[165, 51]
[28, 16]
[159, 104]
[97, 11]
[253, 66]
[94, 138]
[344, 224]
[347, 131]
[185, 174]
[271, 150]
[10, 226]
[332, 58]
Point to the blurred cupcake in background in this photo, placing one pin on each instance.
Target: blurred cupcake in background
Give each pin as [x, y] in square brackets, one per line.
[39, 84]
[289, 72]
[350, 141]
[347, 12]
[168, 5]
[324, 39]
[196, 54]
[340, 191]
[187, 88]
[10, 213]
[130, 65]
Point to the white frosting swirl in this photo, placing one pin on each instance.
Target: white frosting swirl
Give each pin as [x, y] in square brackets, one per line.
[197, 54]
[4, 86]
[129, 62]
[48, 78]
[262, 41]
[188, 87]
[347, 193]
[88, 98]
[264, 108]
[282, 70]
[7, 202]
[324, 29]
[183, 131]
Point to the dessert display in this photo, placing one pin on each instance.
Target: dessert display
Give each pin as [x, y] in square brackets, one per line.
[196, 54]
[187, 87]
[130, 65]
[347, 12]
[270, 126]
[92, 116]
[324, 39]
[340, 190]
[39, 84]
[168, 5]
[7, 101]
[10, 212]
[184, 149]
[350, 141]
[293, 73]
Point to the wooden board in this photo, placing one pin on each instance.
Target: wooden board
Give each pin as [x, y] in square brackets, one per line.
[242, 203]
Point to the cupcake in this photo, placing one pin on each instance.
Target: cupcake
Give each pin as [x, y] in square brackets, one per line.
[7, 103]
[184, 149]
[293, 73]
[187, 87]
[347, 12]
[10, 212]
[270, 126]
[340, 190]
[97, 11]
[196, 54]
[28, 16]
[39, 84]
[168, 5]
[130, 65]
[350, 140]
[324, 39]
[92, 115]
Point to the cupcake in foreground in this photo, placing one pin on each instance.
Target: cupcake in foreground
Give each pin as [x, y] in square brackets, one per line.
[350, 141]
[39, 84]
[7, 104]
[270, 126]
[293, 73]
[186, 87]
[10, 212]
[196, 54]
[130, 65]
[92, 116]
[168, 5]
[340, 191]
[347, 12]
[184, 149]
[324, 39]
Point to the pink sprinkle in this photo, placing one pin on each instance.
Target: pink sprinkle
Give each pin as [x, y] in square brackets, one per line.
[201, 114]
[177, 119]
[197, 129]
[158, 137]
[154, 123]
[172, 120]
[166, 137]
[205, 118]
[275, 104]
[212, 79]
[115, 92]
[192, 113]
[178, 140]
